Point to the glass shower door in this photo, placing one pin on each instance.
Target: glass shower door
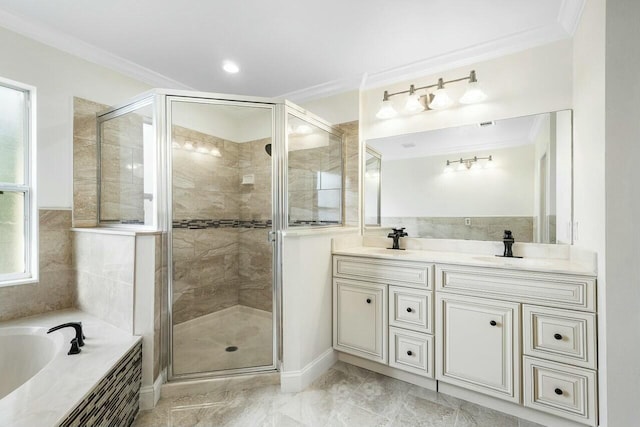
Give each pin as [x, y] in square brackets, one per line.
[221, 271]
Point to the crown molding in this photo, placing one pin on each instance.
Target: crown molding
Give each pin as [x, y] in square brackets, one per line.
[570, 14]
[324, 90]
[509, 44]
[86, 51]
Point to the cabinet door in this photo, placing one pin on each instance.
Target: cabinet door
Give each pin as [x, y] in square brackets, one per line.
[478, 345]
[359, 318]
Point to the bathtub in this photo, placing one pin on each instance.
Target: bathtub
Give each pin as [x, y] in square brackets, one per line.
[25, 351]
[40, 384]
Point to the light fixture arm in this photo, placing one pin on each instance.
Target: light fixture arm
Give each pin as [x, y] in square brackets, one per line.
[440, 85]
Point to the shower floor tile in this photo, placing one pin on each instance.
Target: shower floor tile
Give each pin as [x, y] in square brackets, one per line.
[200, 345]
[344, 396]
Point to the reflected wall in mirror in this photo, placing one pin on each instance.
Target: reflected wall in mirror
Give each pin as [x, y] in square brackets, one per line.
[473, 182]
[372, 167]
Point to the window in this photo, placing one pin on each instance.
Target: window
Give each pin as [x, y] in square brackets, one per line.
[18, 220]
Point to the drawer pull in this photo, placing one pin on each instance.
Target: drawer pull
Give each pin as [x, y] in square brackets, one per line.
[557, 336]
[409, 310]
[368, 300]
[493, 323]
[558, 392]
[409, 353]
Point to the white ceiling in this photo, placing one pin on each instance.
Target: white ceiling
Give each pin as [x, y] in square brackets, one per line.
[463, 139]
[298, 49]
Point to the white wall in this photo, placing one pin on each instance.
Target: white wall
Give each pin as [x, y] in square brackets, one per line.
[421, 187]
[588, 160]
[564, 184]
[622, 178]
[534, 81]
[336, 109]
[59, 77]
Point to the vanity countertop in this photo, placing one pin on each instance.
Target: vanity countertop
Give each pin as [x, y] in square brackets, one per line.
[551, 265]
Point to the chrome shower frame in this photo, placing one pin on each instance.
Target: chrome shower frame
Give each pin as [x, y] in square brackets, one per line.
[161, 100]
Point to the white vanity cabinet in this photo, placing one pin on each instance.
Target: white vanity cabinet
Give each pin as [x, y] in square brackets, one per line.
[396, 327]
[521, 335]
[478, 345]
[558, 354]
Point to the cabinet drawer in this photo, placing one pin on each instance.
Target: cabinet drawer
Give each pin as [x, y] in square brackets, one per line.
[561, 390]
[411, 309]
[360, 319]
[391, 272]
[560, 335]
[411, 351]
[548, 289]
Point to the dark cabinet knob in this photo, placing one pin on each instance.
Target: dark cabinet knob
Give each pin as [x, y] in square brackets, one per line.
[493, 323]
[558, 392]
[409, 353]
[368, 300]
[409, 310]
[557, 336]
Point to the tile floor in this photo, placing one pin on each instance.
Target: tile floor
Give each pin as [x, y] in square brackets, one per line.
[199, 344]
[345, 396]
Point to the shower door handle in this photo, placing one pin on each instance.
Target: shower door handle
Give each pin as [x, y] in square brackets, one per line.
[271, 236]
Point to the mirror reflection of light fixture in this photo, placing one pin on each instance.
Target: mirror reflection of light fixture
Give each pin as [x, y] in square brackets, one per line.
[188, 145]
[470, 163]
[440, 99]
[386, 110]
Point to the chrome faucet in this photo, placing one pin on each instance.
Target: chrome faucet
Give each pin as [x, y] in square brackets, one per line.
[396, 234]
[78, 341]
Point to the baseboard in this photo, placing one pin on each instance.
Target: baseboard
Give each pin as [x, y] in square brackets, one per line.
[294, 381]
[398, 374]
[149, 395]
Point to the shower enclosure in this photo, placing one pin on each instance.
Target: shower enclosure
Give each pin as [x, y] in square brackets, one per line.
[221, 176]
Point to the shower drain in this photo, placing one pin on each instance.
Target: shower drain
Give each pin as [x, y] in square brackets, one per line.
[231, 348]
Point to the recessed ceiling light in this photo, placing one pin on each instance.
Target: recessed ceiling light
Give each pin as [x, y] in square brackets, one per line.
[230, 67]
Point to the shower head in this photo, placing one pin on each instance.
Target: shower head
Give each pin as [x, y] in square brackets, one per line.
[267, 148]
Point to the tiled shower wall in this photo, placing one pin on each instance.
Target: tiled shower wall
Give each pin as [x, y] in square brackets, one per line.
[221, 256]
[351, 173]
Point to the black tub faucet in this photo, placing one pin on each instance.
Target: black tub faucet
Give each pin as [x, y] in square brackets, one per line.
[396, 234]
[508, 241]
[78, 341]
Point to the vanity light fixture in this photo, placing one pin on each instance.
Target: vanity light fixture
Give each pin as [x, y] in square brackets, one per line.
[438, 100]
[386, 110]
[470, 163]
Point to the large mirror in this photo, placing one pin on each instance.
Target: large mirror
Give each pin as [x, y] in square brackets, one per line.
[473, 182]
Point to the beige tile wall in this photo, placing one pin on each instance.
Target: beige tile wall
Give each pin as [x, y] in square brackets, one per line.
[351, 173]
[481, 228]
[104, 265]
[56, 288]
[85, 163]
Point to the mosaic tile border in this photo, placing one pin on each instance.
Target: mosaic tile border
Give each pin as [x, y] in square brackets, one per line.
[200, 224]
[115, 400]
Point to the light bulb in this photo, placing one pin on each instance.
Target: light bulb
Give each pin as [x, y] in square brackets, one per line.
[413, 104]
[386, 110]
[473, 94]
[188, 146]
[215, 152]
[202, 149]
[462, 166]
[448, 168]
[175, 144]
[441, 100]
